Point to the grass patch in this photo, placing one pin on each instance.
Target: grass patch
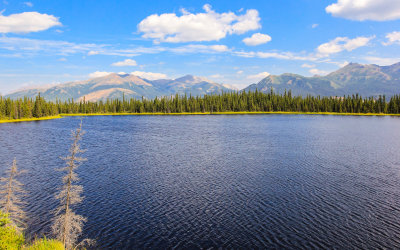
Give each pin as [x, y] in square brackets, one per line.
[238, 113]
[45, 244]
[30, 119]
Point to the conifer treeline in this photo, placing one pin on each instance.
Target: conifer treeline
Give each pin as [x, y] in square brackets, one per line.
[224, 102]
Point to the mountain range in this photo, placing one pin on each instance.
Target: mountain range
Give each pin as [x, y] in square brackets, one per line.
[116, 85]
[366, 80]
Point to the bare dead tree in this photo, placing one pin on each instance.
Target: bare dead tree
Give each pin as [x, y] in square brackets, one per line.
[11, 203]
[67, 225]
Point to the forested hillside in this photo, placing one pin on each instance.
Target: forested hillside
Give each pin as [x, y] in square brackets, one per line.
[225, 102]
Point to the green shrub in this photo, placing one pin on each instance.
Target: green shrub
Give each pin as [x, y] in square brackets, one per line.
[45, 244]
[9, 238]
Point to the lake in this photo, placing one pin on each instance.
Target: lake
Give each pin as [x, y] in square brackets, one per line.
[238, 181]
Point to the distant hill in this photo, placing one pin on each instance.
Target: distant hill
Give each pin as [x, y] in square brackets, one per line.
[366, 80]
[116, 85]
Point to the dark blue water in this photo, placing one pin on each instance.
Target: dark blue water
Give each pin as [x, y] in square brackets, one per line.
[258, 181]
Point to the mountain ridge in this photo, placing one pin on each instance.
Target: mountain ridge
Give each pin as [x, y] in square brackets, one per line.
[116, 85]
[354, 78]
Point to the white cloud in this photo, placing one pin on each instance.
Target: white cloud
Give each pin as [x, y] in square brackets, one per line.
[382, 61]
[27, 22]
[276, 55]
[29, 4]
[343, 43]
[319, 72]
[239, 72]
[258, 76]
[216, 76]
[393, 37]
[126, 62]
[206, 26]
[360, 10]
[315, 25]
[149, 75]
[29, 47]
[219, 48]
[343, 64]
[257, 39]
[62, 59]
[305, 65]
[199, 48]
[92, 53]
[99, 74]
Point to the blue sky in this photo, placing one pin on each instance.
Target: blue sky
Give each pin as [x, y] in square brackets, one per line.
[233, 42]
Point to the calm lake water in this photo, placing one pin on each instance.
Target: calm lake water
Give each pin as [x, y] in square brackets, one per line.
[242, 181]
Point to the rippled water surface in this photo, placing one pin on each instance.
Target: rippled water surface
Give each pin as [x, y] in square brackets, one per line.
[240, 181]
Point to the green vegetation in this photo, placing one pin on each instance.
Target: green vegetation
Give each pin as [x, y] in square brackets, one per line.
[256, 101]
[9, 237]
[45, 244]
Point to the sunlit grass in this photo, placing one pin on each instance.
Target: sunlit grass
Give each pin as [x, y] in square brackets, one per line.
[45, 244]
[237, 113]
[30, 119]
[198, 113]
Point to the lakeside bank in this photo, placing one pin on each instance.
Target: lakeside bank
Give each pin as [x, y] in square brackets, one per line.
[196, 113]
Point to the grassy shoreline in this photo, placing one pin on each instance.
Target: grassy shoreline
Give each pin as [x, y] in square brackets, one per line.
[31, 119]
[198, 113]
[239, 113]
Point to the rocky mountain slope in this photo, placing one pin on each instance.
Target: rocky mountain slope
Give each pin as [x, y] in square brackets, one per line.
[366, 80]
[116, 85]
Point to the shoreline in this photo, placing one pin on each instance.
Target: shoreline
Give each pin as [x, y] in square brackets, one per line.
[31, 119]
[197, 113]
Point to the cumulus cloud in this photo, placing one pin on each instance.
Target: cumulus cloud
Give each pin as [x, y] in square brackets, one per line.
[258, 76]
[319, 72]
[99, 74]
[392, 38]
[343, 43]
[315, 25]
[206, 26]
[360, 10]
[149, 75]
[126, 62]
[27, 22]
[257, 39]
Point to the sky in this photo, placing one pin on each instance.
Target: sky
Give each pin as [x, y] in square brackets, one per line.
[233, 42]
